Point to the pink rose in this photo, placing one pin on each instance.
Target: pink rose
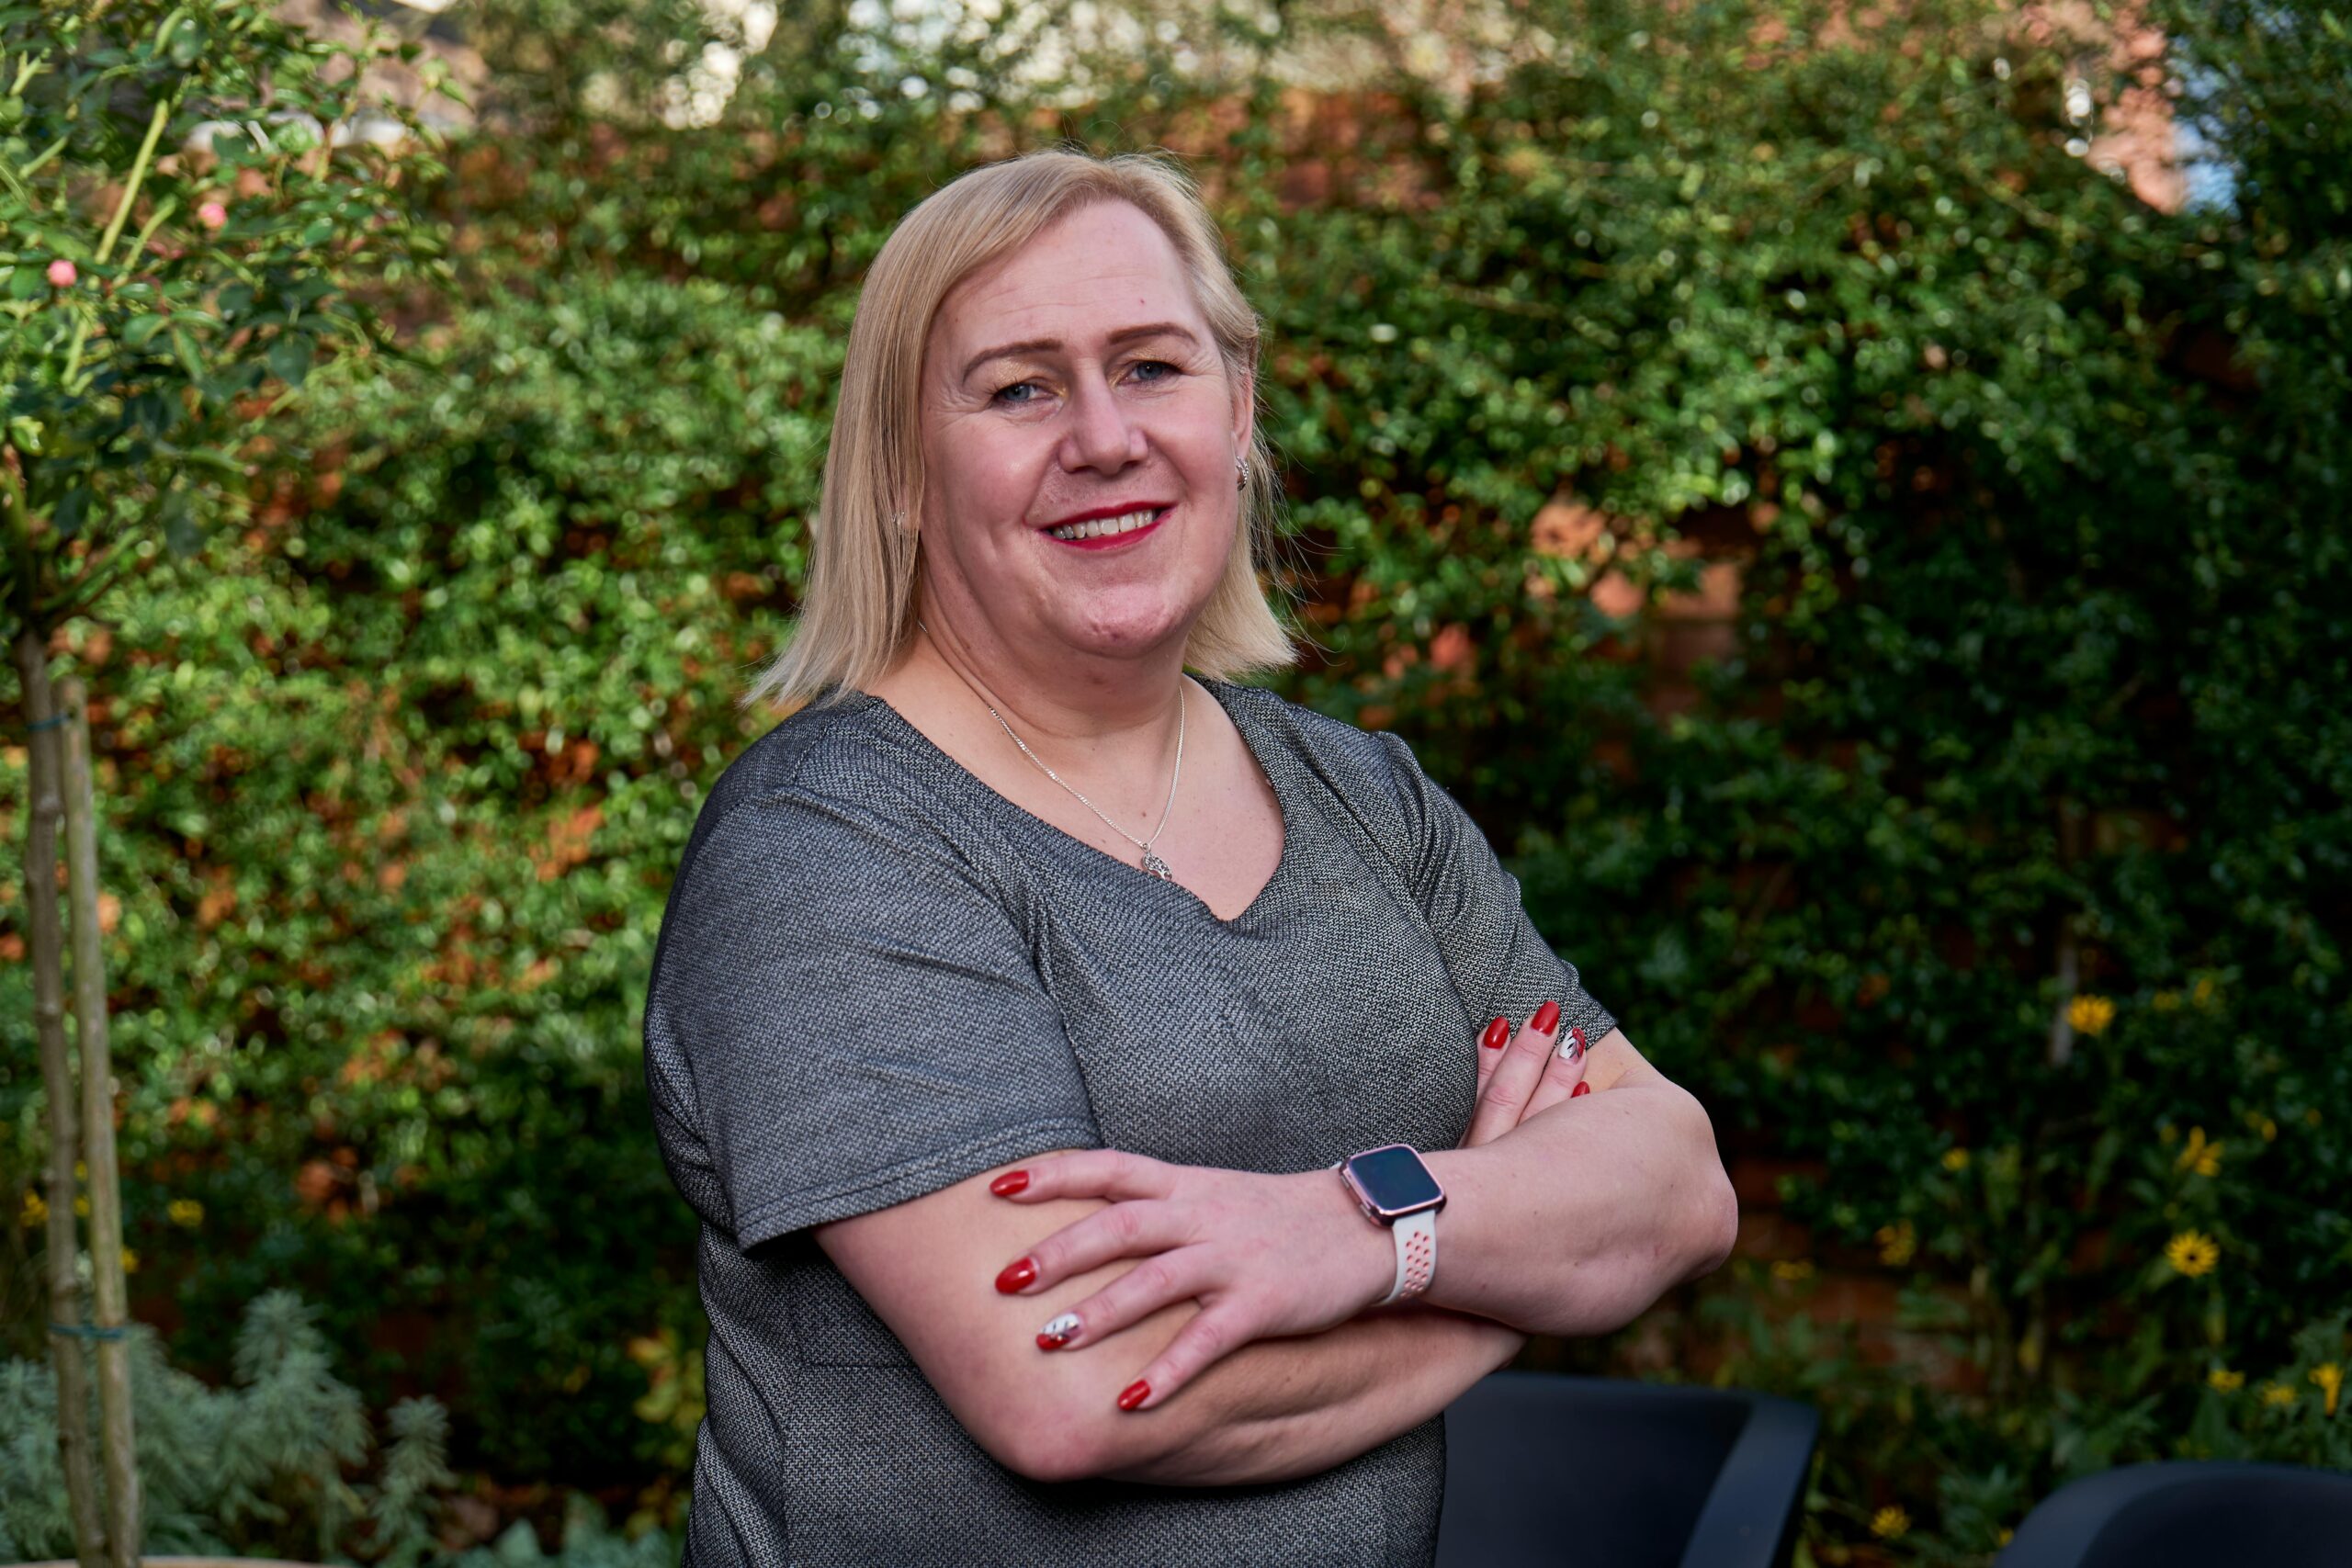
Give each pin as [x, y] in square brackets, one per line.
[212, 215]
[61, 274]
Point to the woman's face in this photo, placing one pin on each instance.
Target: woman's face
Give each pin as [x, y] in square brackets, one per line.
[1073, 389]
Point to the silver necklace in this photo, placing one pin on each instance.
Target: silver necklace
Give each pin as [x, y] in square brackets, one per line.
[1151, 862]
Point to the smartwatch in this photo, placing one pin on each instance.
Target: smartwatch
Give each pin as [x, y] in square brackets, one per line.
[1396, 1189]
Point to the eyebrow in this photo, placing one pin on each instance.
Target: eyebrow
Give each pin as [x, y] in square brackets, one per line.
[1053, 345]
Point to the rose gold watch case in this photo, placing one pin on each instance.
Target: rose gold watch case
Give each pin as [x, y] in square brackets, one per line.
[1373, 1210]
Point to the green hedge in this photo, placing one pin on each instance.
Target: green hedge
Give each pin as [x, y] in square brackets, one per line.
[2037, 495]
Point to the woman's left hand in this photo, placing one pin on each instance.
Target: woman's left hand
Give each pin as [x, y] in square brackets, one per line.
[1264, 1256]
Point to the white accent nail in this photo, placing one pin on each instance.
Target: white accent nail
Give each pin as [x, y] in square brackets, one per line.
[1063, 1326]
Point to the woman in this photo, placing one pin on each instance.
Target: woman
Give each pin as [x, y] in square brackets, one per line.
[1019, 993]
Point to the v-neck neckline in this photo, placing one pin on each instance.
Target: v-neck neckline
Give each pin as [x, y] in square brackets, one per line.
[1243, 724]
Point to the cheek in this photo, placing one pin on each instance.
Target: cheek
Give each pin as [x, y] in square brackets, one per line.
[982, 477]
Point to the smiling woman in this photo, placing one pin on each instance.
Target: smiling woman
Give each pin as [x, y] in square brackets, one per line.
[1063, 1188]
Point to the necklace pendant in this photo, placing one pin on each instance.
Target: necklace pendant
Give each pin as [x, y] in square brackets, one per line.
[1158, 867]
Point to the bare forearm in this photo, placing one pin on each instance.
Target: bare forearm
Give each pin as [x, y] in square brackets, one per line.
[1281, 1408]
[1583, 1215]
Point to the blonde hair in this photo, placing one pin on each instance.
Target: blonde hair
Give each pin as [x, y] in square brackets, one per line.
[857, 607]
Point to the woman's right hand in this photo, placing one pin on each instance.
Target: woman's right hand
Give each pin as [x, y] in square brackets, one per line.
[1522, 1074]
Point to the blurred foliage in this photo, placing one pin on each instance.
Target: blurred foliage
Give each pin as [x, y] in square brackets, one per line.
[256, 1469]
[194, 133]
[1888, 581]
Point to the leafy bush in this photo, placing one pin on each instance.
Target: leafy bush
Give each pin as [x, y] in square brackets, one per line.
[258, 1468]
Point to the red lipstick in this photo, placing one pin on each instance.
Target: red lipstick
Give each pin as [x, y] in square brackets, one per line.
[1111, 541]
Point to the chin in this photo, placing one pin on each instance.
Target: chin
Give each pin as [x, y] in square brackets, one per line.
[1120, 625]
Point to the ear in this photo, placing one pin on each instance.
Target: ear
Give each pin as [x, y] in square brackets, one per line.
[1245, 409]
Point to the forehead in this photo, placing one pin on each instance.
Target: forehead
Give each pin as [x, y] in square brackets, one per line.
[1104, 266]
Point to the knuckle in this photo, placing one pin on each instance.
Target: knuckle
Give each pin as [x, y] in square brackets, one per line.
[1209, 1338]
[1151, 1279]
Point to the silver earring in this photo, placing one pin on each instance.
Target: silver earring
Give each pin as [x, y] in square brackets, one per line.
[899, 521]
[1240, 472]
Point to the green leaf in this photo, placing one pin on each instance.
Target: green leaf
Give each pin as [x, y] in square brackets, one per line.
[179, 529]
[290, 357]
[71, 510]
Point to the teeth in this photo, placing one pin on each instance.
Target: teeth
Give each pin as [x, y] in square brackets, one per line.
[1100, 527]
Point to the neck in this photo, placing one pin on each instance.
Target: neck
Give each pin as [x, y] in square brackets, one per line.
[1078, 705]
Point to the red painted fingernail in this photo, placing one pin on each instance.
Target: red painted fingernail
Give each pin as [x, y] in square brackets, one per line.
[1051, 1341]
[1547, 1018]
[1496, 1032]
[1136, 1393]
[1017, 1276]
[1058, 1333]
[1577, 1035]
[1011, 1181]
[1580, 1088]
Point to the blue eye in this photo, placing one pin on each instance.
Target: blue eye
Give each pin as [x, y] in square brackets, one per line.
[1003, 397]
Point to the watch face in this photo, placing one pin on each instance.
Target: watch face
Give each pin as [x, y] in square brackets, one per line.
[1393, 1179]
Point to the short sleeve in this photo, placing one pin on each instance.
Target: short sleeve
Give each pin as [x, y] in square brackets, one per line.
[1500, 963]
[842, 1017]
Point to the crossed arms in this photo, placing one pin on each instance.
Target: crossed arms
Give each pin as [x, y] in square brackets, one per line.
[1564, 1216]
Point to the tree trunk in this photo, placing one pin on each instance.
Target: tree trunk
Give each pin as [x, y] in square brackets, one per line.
[97, 1133]
[45, 749]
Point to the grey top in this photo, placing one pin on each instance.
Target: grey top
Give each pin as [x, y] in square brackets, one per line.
[877, 976]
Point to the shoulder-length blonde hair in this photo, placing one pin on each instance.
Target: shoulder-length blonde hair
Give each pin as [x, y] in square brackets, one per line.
[857, 607]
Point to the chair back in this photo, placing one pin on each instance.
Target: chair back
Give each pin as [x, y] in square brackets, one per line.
[1542, 1468]
[2191, 1514]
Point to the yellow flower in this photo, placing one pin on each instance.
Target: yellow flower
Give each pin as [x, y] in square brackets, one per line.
[2277, 1393]
[2224, 1380]
[1897, 1242]
[2204, 992]
[2006, 1536]
[1955, 1159]
[1889, 1523]
[2258, 1122]
[184, 1211]
[82, 1205]
[36, 1211]
[2198, 1156]
[1790, 1269]
[2192, 1253]
[2090, 1015]
[130, 1261]
[2330, 1377]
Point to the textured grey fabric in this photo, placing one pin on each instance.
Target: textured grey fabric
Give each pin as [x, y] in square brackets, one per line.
[877, 976]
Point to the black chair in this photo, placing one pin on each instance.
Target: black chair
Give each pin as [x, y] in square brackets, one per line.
[1542, 1468]
[2195, 1514]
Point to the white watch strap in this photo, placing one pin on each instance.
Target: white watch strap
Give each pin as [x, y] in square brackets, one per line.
[1416, 1236]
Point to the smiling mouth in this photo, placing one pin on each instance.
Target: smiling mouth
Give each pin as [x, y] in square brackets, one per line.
[1109, 528]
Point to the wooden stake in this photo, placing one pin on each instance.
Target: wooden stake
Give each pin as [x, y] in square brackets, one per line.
[97, 1133]
[45, 749]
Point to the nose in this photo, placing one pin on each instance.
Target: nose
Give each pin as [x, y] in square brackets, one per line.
[1099, 433]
